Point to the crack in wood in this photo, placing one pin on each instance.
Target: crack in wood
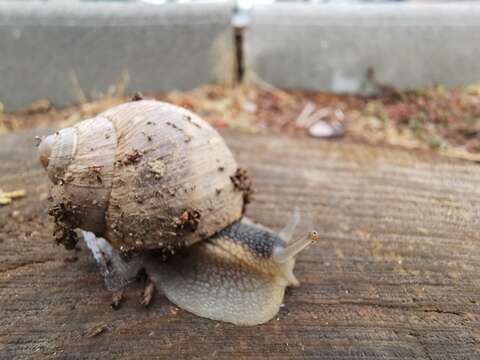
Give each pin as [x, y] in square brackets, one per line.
[26, 265]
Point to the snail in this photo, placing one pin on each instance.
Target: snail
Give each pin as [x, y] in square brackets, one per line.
[152, 187]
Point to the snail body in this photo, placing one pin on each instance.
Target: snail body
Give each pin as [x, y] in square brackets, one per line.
[250, 267]
[145, 179]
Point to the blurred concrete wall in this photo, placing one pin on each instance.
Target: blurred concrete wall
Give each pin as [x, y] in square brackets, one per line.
[67, 51]
[59, 50]
[353, 48]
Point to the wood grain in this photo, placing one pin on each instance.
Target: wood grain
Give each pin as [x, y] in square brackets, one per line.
[395, 276]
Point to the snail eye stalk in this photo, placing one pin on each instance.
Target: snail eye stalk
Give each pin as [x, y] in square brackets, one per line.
[283, 254]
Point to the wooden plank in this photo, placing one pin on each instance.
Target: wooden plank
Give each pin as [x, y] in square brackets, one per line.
[395, 276]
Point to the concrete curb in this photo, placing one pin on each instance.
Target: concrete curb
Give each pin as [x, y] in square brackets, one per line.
[66, 51]
[61, 50]
[355, 48]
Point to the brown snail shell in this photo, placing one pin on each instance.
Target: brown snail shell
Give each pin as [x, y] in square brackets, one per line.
[143, 175]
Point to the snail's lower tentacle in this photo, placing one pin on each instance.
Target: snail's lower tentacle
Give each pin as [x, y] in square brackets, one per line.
[117, 272]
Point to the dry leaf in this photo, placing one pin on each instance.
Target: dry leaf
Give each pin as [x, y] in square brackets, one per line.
[6, 197]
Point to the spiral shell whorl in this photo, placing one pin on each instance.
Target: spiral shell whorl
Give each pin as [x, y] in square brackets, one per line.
[63, 146]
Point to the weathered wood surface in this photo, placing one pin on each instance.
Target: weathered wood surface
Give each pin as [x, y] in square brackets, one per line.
[396, 275]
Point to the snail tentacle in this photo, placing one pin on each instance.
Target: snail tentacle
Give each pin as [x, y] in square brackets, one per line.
[287, 232]
[281, 255]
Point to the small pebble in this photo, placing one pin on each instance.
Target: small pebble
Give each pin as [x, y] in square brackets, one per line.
[326, 130]
[96, 330]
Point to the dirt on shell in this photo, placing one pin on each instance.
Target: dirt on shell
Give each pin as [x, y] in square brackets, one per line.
[138, 96]
[188, 220]
[95, 173]
[131, 158]
[157, 167]
[242, 183]
[65, 217]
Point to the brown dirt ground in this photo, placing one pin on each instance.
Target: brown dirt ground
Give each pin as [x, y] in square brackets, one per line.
[443, 120]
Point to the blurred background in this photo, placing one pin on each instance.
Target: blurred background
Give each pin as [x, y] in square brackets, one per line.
[402, 73]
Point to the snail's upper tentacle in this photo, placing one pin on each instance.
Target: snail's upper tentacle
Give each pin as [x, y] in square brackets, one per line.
[287, 232]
